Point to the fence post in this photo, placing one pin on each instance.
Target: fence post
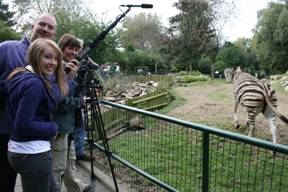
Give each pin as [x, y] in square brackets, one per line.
[205, 162]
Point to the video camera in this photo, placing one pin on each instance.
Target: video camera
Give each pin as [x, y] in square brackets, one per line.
[88, 76]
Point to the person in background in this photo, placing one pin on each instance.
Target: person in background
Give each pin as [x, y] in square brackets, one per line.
[28, 109]
[13, 55]
[63, 146]
[80, 132]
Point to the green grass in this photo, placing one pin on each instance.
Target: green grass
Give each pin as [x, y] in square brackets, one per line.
[173, 155]
[178, 101]
[151, 151]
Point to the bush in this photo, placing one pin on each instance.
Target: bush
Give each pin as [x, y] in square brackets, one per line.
[174, 69]
[195, 73]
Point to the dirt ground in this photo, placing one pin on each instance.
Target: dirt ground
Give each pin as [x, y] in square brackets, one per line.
[212, 104]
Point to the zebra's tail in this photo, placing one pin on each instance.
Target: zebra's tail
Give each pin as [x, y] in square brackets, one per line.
[283, 118]
[278, 114]
[268, 95]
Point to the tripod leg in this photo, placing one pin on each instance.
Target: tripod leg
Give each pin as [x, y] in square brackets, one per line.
[96, 112]
[90, 141]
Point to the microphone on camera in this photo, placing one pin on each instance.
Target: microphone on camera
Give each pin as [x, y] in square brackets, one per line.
[145, 6]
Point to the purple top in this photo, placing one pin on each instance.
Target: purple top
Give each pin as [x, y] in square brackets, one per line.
[28, 108]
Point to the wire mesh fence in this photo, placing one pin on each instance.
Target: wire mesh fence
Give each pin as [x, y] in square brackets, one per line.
[154, 152]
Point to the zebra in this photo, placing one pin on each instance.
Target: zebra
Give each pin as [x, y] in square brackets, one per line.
[256, 97]
[228, 73]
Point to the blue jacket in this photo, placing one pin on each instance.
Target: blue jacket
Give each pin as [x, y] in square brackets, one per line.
[12, 55]
[28, 108]
[64, 116]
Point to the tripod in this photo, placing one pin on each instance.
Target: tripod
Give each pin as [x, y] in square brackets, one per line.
[88, 86]
[93, 119]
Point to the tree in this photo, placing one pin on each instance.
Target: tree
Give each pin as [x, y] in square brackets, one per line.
[72, 17]
[221, 12]
[204, 64]
[6, 22]
[5, 15]
[7, 33]
[190, 32]
[251, 63]
[230, 55]
[271, 36]
[27, 10]
[197, 29]
[134, 59]
[143, 31]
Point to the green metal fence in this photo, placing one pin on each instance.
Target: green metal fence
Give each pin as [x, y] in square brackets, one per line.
[154, 152]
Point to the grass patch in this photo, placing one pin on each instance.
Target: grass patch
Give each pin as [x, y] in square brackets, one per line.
[221, 95]
[214, 82]
[178, 101]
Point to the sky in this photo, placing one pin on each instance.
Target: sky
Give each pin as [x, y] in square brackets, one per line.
[245, 20]
[240, 26]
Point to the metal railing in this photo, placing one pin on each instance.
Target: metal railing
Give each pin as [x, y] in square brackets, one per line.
[161, 153]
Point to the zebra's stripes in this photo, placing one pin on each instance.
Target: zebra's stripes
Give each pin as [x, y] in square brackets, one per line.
[256, 97]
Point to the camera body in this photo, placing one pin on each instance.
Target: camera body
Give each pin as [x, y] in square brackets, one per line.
[66, 65]
[88, 77]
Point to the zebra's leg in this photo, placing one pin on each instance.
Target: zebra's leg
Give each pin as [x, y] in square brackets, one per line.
[270, 116]
[251, 129]
[251, 123]
[236, 125]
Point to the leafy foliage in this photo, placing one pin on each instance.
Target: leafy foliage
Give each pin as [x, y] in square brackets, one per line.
[7, 33]
[134, 59]
[191, 42]
[72, 17]
[6, 22]
[5, 15]
[271, 37]
[191, 31]
[196, 31]
[231, 56]
[204, 64]
[142, 31]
